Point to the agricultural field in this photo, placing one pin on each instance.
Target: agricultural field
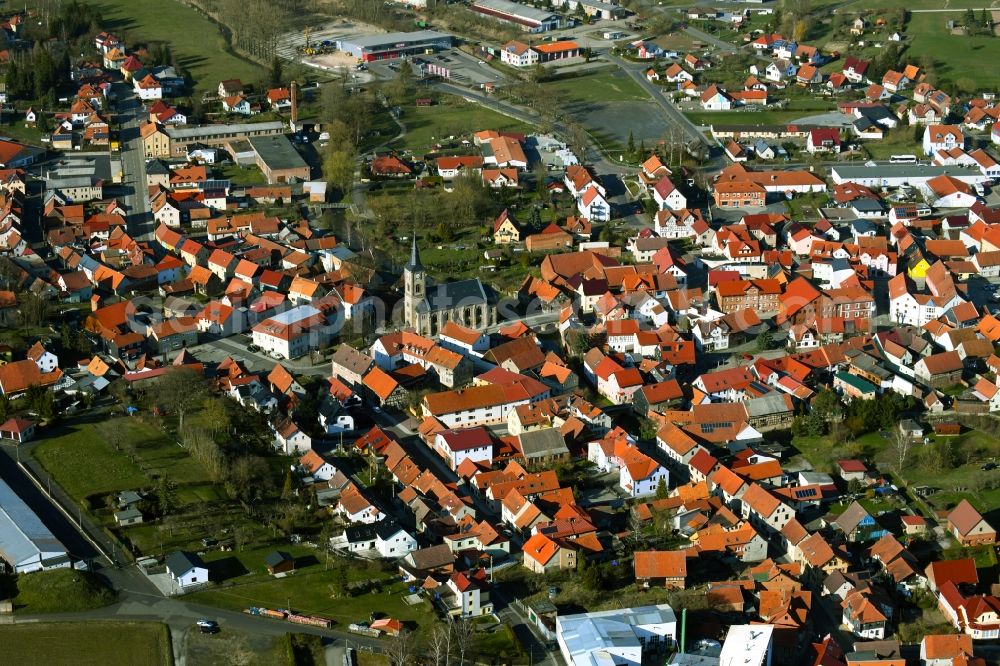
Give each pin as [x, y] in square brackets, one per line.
[195, 40]
[87, 643]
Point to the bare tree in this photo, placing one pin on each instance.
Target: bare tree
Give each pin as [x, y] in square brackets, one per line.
[439, 645]
[901, 443]
[180, 390]
[401, 650]
[465, 638]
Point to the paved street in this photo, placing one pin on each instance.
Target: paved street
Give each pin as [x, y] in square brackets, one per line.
[130, 113]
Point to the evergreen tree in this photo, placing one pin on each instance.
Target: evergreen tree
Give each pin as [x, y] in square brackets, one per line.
[630, 146]
[277, 72]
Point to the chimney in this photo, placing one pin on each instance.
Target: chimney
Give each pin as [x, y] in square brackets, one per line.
[295, 104]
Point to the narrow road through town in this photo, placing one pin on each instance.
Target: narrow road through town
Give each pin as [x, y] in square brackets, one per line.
[130, 114]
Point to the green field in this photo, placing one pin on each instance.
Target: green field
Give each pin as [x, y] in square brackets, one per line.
[613, 86]
[59, 591]
[954, 481]
[963, 60]
[85, 463]
[242, 175]
[308, 590]
[450, 116]
[86, 644]
[196, 42]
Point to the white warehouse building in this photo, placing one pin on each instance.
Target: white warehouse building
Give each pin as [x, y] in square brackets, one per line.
[898, 175]
[619, 637]
[26, 544]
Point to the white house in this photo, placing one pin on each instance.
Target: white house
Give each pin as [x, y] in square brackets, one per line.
[640, 475]
[392, 541]
[470, 594]
[714, 99]
[518, 54]
[457, 446]
[463, 340]
[318, 468]
[592, 204]
[290, 438]
[667, 195]
[238, 104]
[43, 358]
[942, 137]
[292, 333]
[186, 569]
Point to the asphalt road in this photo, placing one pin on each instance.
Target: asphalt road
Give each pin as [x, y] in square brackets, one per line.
[130, 112]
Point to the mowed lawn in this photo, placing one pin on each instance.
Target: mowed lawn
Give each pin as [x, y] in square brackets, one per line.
[86, 644]
[84, 462]
[955, 57]
[196, 42]
[608, 86]
[449, 116]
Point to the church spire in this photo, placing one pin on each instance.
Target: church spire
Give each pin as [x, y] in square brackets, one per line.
[414, 265]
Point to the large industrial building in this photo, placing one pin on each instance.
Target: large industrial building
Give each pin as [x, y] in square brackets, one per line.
[219, 136]
[526, 18]
[278, 160]
[26, 544]
[395, 44]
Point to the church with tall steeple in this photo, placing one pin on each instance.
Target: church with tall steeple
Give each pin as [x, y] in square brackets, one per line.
[428, 306]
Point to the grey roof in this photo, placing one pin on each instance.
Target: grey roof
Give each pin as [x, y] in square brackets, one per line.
[851, 518]
[544, 442]
[180, 562]
[356, 533]
[129, 497]
[276, 557]
[451, 295]
[772, 403]
[392, 38]
[515, 9]
[414, 266]
[386, 529]
[157, 168]
[865, 205]
[188, 133]
[429, 558]
[855, 172]
[277, 152]
[24, 539]
[71, 181]
[127, 514]
[350, 358]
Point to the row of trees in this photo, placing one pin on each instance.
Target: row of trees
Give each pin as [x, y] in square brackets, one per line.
[981, 26]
